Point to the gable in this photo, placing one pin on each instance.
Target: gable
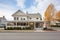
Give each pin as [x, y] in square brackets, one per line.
[34, 15]
[18, 13]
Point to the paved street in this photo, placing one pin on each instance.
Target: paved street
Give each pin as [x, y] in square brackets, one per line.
[30, 36]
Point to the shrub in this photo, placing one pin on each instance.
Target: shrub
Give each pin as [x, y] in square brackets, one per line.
[55, 26]
[28, 28]
[14, 28]
[18, 28]
[9, 28]
[23, 28]
[4, 27]
[45, 28]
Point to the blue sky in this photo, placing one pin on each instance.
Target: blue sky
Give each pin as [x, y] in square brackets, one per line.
[8, 7]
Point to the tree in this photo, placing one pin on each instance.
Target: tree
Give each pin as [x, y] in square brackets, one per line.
[58, 16]
[48, 14]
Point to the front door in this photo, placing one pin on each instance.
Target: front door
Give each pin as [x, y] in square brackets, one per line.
[31, 24]
[37, 25]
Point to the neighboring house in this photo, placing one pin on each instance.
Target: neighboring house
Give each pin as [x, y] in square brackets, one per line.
[25, 20]
[2, 21]
[57, 23]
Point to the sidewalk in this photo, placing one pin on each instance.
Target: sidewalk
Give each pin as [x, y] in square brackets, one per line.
[19, 31]
[56, 28]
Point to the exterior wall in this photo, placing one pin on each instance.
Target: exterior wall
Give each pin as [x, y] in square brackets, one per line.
[22, 18]
[34, 19]
[19, 18]
[27, 19]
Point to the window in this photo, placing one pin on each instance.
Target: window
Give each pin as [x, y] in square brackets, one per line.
[37, 18]
[17, 18]
[14, 18]
[22, 18]
[30, 18]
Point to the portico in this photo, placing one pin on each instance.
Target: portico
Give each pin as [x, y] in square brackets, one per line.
[24, 24]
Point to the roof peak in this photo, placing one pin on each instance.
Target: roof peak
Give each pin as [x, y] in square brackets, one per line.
[19, 11]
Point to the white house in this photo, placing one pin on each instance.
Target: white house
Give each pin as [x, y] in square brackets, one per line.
[25, 20]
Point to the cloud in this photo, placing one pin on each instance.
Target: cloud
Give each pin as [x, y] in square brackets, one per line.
[58, 8]
[41, 6]
[37, 6]
[20, 3]
[7, 11]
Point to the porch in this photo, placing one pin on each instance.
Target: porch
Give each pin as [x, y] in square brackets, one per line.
[31, 24]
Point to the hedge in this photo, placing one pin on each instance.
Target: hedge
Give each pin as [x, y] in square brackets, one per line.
[55, 26]
[18, 28]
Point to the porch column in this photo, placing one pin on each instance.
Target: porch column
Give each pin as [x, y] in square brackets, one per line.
[16, 24]
[39, 25]
[34, 25]
[28, 24]
[45, 25]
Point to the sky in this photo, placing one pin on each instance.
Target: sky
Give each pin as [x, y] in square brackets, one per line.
[9, 7]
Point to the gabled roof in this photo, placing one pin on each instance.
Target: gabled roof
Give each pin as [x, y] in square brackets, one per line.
[17, 13]
[34, 15]
[20, 13]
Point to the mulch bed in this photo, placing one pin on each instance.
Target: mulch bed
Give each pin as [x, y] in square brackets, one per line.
[50, 30]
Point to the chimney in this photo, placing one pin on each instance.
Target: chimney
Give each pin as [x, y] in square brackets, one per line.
[3, 17]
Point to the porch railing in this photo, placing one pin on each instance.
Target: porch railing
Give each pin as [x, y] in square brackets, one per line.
[17, 26]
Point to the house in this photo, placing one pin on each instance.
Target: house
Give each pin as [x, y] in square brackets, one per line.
[22, 19]
[2, 22]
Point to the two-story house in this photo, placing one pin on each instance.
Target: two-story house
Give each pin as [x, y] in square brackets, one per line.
[22, 19]
[2, 22]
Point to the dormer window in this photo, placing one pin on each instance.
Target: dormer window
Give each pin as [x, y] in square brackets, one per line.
[24, 18]
[30, 18]
[37, 18]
